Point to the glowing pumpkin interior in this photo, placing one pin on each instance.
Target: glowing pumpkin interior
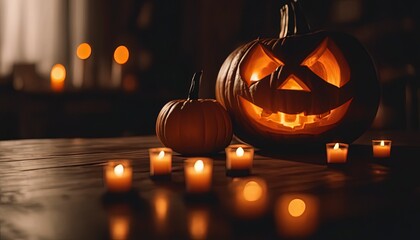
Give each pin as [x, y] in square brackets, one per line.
[326, 61]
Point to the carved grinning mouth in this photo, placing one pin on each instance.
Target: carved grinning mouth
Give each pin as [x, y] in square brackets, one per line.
[294, 123]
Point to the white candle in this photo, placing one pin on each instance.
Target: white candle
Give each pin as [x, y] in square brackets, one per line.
[337, 152]
[118, 176]
[239, 157]
[198, 174]
[381, 148]
[160, 161]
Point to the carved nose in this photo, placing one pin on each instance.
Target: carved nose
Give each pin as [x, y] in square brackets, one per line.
[294, 83]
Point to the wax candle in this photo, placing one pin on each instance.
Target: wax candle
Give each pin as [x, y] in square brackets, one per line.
[381, 148]
[239, 157]
[198, 174]
[250, 198]
[160, 161]
[337, 152]
[118, 176]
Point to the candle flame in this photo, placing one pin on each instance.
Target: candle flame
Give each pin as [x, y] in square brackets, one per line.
[199, 166]
[296, 207]
[119, 170]
[336, 146]
[252, 191]
[161, 154]
[382, 143]
[239, 152]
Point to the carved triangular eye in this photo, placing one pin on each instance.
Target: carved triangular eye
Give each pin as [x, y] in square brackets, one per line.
[328, 63]
[258, 63]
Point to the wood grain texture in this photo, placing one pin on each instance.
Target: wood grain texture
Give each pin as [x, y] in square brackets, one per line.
[53, 189]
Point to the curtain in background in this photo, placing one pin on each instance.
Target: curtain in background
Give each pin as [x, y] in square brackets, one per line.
[41, 32]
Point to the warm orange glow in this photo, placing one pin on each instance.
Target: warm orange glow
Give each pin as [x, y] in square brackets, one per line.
[83, 51]
[119, 227]
[161, 207]
[250, 199]
[198, 224]
[58, 75]
[296, 207]
[252, 191]
[328, 63]
[199, 166]
[240, 152]
[296, 215]
[258, 64]
[119, 170]
[121, 54]
[295, 84]
[294, 123]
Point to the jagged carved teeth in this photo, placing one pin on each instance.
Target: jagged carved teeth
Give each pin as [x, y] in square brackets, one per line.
[267, 113]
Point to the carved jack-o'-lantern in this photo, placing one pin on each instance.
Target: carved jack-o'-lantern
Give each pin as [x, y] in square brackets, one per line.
[304, 87]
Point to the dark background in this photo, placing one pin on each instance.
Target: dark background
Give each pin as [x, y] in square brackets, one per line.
[170, 40]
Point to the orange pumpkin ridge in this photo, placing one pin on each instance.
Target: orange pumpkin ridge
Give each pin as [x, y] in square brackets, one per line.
[194, 126]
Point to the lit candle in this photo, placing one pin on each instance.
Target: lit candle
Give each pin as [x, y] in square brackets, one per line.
[57, 77]
[198, 174]
[381, 148]
[249, 198]
[337, 152]
[239, 157]
[160, 161]
[118, 176]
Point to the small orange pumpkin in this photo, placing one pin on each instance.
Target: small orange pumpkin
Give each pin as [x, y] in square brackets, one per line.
[194, 126]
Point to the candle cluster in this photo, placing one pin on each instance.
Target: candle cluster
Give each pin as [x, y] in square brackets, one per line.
[337, 152]
[198, 170]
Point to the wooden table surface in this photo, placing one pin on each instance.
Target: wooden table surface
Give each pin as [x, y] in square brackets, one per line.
[54, 189]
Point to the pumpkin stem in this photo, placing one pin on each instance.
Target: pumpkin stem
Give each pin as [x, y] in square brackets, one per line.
[292, 20]
[195, 86]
